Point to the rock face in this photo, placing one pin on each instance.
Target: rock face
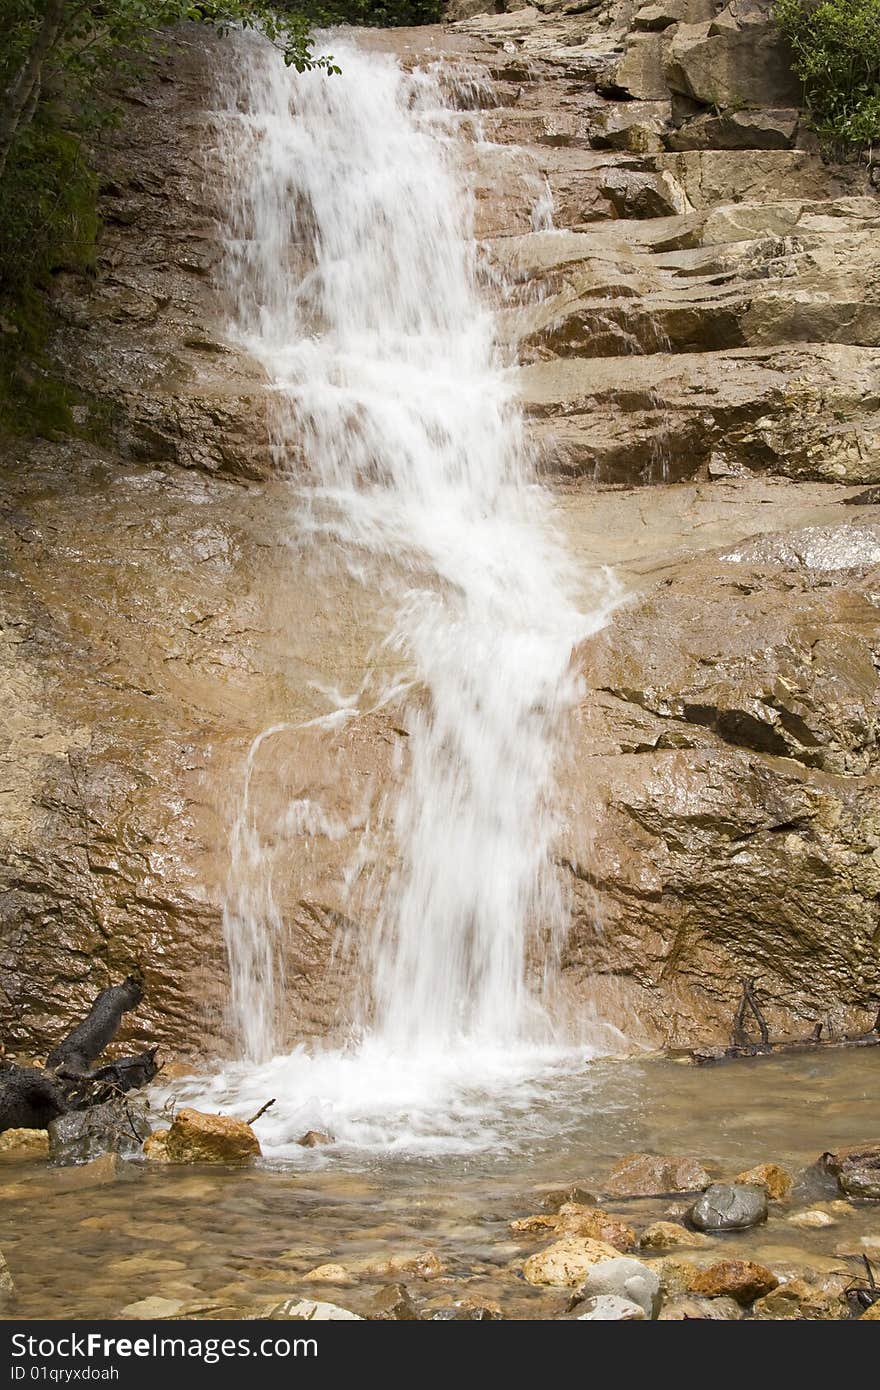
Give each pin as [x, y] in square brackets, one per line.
[857, 1169]
[25, 1143]
[730, 1207]
[703, 317]
[198, 1138]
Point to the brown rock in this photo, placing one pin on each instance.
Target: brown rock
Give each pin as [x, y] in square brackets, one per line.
[856, 1168]
[576, 1220]
[25, 1143]
[677, 1276]
[648, 1175]
[775, 1180]
[195, 1137]
[565, 1264]
[392, 1304]
[315, 1139]
[669, 1235]
[98, 1173]
[156, 1146]
[871, 1314]
[7, 1287]
[796, 1299]
[740, 1279]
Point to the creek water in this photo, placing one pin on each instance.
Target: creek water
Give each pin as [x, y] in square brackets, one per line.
[234, 1239]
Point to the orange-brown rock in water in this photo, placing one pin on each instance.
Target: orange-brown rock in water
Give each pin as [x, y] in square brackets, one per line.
[743, 1280]
[647, 1175]
[198, 1138]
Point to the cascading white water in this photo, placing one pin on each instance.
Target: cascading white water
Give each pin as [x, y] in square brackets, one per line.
[355, 282]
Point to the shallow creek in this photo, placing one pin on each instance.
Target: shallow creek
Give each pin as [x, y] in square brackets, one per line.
[236, 1239]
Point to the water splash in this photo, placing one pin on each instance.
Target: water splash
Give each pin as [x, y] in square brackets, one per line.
[353, 266]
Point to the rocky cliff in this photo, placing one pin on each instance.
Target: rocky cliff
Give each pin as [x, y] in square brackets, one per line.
[699, 334]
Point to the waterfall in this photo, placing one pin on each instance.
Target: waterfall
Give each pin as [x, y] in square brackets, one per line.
[355, 278]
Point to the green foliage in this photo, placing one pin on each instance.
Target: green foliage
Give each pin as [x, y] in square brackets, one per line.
[380, 14]
[47, 216]
[836, 47]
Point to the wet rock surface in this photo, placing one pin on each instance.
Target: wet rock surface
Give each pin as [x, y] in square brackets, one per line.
[198, 1138]
[703, 310]
[118, 1126]
[729, 1207]
[857, 1169]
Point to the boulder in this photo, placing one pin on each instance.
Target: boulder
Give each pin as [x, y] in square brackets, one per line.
[651, 1175]
[662, 14]
[776, 1181]
[25, 1143]
[195, 1137]
[737, 58]
[856, 1168]
[625, 1279]
[669, 1235]
[566, 1263]
[729, 1207]
[609, 1307]
[117, 1126]
[742, 1280]
[684, 1308]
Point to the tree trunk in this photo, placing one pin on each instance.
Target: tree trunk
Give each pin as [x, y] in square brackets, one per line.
[20, 98]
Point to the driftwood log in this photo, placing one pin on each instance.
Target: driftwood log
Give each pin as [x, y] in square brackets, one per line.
[31, 1097]
[742, 1046]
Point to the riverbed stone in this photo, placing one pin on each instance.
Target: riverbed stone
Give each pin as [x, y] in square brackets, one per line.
[393, 1304]
[153, 1307]
[117, 1126]
[799, 1300]
[609, 1307]
[729, 1207]
[813, 1219]
[687, 1308]
[315, 1139]
[196, 1137]
[626, 1279]
[744, 1280]
[857, 1169]
[575, 1220]
[776, 1181]
[25, 1143]
[305, 1310]
[871, 1314]
[670, 1235]
[566, 1263]
[651, 1175]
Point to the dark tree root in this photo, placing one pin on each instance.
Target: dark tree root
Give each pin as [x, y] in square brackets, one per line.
[742, 1046]
[31, 1098]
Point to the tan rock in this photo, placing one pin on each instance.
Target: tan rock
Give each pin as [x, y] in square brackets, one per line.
[776, 1181]
[156, 1146]
[572, 1219]
[195, 1137]
[315, 1139]
[799, 1300]
[669, 1235]
[648, 1175]
[565, 1263]
[423, 1264]
[743, 1280]
[25, 1143]
[329, 1274]
[7, 1287]
[813, 1219]
[871, 1314]
[677, 1276]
